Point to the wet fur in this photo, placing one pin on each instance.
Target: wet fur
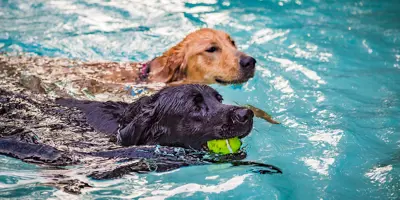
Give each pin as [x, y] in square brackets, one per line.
[186, 62]
[35, 129]
[183, 116]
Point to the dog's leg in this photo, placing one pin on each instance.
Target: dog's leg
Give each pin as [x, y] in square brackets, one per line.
[237, 160]
[268, 169]
[33, 153]
[144, 159]
[144, 166]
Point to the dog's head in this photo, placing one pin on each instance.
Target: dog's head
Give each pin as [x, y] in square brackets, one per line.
[204, 56]
[185, 116]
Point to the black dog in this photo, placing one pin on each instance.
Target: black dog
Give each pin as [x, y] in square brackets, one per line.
[181, 119]
[186, 116]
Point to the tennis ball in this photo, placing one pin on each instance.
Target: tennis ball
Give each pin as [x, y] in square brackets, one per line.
[224, 146]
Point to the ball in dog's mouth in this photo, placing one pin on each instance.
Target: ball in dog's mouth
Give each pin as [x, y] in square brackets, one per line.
[223, 146]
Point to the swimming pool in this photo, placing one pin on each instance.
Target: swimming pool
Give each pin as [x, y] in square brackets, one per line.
[328, 71]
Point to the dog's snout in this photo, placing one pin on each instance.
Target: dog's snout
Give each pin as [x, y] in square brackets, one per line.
[242, 115]
[247, 62]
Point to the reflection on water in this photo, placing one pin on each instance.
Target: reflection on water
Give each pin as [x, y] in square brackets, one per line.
[328, 71]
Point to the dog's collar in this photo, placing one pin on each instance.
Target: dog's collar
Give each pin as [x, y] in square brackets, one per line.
[144, 71]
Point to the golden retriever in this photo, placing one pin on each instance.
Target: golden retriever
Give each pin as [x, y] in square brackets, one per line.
[205, 56]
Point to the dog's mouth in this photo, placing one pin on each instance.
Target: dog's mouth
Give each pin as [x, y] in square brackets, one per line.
[238, 81]
[241, 79]
[205, 146]
[227, 134]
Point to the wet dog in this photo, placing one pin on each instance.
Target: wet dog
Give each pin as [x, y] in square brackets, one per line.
[161, 132]
[205, 56]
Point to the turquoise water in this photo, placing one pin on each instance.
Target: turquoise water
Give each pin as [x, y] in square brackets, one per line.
[328, 71]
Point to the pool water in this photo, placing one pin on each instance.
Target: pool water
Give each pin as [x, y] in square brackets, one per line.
[328, 71]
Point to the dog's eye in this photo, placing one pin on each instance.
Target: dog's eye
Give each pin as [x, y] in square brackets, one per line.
[198, 99]
[219, 98]
[233, 43]
[212, 49]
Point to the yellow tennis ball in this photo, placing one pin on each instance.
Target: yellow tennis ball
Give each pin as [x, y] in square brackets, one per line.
[224, 146]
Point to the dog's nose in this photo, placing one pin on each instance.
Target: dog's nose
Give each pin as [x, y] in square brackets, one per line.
[242, 115]
[247, 62]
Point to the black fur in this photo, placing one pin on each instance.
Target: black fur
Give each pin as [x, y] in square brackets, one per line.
[182, 119]
[184, 116]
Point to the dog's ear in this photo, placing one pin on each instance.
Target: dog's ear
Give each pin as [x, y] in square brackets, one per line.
[102, 116]
[139, 124]
[171, 66]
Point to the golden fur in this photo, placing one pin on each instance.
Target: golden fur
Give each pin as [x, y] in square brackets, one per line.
[205, 56]
[187, 62]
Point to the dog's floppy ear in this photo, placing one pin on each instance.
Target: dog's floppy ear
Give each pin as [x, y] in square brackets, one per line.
[139, 124]
[171, 66]
[102, 116]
